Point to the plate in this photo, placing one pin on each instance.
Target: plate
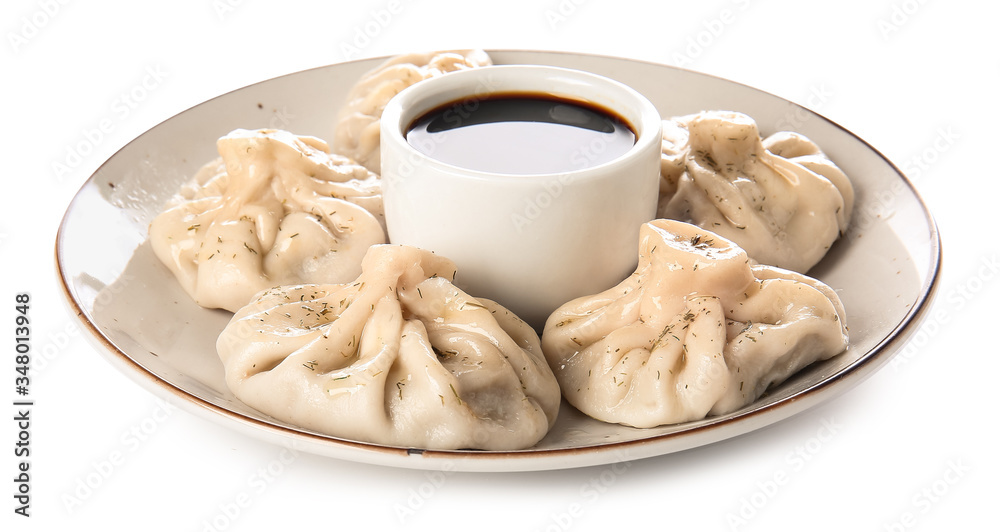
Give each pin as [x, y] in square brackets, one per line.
[138, 317]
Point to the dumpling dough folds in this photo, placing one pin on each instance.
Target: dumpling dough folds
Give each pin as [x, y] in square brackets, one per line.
[398, 357]
[781, 199]
[275, 208]
[357, 129]
[695, 331]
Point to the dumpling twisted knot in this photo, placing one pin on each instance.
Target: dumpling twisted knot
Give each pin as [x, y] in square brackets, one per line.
[400, 356]
[781, 199]
[695, 331]
[357, 130]
[275, 208]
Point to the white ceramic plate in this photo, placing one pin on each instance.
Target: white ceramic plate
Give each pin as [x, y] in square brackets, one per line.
[139, 318]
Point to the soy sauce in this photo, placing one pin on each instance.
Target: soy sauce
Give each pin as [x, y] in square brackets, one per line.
[521, 134]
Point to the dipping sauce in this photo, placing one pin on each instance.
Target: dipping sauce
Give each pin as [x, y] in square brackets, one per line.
[521, 134]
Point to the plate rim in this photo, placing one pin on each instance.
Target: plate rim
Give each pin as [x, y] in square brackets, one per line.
[525, 459]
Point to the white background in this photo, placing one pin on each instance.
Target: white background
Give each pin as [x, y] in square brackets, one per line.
[911, 447]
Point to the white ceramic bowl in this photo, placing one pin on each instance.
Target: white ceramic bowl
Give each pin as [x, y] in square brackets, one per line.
[530, 242]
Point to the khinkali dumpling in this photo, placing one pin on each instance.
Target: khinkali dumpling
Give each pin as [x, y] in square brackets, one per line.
[276, 208]
[398, 357]
[357, 130]
[782, 200]
[674, 148]
[799, 149]
[695, 331]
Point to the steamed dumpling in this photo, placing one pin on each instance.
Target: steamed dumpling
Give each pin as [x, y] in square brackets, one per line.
[397, 357]
[799, 149]
[275, 208]
[674, 148]
[695, 331]
[357, 129]
[781, 200]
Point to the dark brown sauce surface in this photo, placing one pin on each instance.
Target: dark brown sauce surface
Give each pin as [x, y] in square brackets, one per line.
[521, 134]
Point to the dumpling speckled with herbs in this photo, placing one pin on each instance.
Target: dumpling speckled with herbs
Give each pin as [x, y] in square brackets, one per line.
[695, 331]
[781, 199]
[275, 208]
[357, 130]
[399, 356]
